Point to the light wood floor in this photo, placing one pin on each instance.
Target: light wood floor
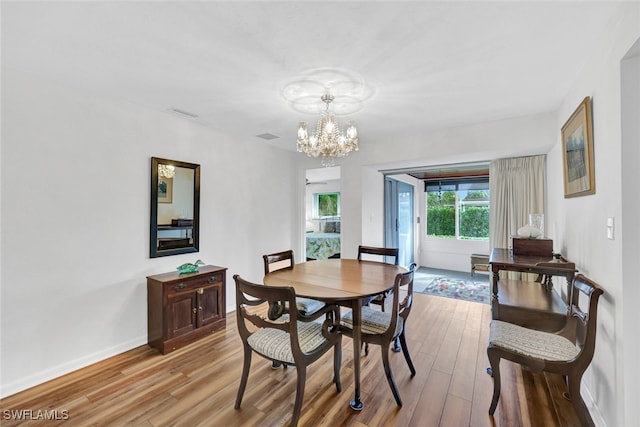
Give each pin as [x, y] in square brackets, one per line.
[197, 385]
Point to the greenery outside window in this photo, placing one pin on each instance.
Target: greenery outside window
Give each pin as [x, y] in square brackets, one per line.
[327, 205]
[458, 209]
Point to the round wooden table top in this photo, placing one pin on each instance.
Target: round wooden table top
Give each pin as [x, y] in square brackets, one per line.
[336, 279]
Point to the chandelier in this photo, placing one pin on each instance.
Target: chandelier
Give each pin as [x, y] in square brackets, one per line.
[328, 142]
[166, 171]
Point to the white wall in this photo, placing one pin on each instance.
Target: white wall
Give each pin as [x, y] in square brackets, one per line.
[579, 224]
[75, 220]
[630, 88]
[451, 254]
[372, 208]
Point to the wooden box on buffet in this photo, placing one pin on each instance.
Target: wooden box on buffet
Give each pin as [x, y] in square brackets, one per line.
[532, 247]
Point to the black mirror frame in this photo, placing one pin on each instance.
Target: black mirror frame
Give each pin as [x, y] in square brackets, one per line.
[154, 252]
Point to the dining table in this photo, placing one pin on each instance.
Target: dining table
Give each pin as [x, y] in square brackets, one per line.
[345, 282]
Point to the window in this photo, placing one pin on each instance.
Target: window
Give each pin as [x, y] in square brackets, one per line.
[458, 208]
[327, 205]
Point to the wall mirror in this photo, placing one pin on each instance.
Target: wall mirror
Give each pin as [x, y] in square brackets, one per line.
[175, 207]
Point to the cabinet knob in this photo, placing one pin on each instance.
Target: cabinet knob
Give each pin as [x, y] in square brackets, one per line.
[195, 311]
[199, 308]
[212, 279]
[200, 291]
[180, 287]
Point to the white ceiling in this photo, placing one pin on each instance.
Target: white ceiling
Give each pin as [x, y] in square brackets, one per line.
[431, 64]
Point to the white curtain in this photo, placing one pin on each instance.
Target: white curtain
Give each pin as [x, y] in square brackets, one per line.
[516, 190]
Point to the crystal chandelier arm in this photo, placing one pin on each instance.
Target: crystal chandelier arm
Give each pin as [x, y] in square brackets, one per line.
[302, 131]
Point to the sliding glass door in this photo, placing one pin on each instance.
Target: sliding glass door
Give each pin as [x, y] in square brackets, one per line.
[398, 219]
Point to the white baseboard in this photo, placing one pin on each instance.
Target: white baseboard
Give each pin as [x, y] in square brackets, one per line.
[594, 410]
[67, 367]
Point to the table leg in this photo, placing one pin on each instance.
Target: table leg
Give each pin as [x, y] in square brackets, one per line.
[356, 404]
[495, 306]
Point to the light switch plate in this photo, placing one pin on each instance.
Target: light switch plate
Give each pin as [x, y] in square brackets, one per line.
[610, 227]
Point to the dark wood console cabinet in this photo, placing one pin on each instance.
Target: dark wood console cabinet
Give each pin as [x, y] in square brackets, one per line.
[182, 308]
[532, 304]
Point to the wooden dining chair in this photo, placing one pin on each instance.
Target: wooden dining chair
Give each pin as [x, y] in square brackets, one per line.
[289, 340]
[305, 306]
[387, 254]
[383, 328]
[285, 259]
[567, 352]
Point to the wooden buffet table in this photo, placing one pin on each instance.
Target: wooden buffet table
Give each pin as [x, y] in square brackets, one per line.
[340, 281]
[182, 308]
[532, 304]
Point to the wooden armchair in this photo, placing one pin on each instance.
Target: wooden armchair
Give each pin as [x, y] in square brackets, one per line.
[287, 340]
[383, 328]
[567, 352]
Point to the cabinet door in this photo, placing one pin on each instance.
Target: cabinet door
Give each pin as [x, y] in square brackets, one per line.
[210, 304]
[181, 314]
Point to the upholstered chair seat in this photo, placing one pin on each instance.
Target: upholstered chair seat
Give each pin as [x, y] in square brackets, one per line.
[308, 306]
[373, 321]
[530, 342]
[275, 344]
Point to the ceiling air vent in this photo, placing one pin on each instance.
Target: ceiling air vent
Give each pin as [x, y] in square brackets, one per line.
[267, 136]
[183, 113]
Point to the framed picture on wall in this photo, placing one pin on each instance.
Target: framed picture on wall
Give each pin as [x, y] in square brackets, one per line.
[165, 190]
[577, 152]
